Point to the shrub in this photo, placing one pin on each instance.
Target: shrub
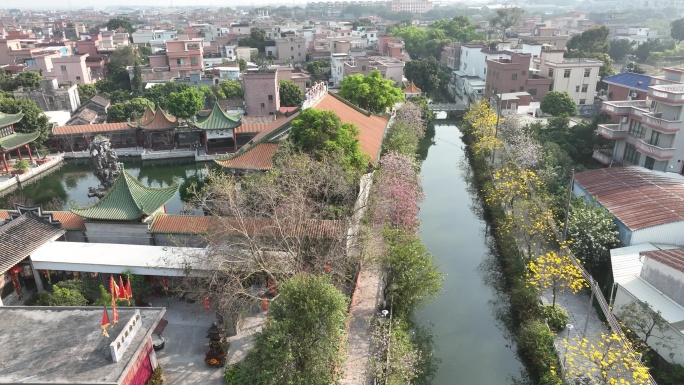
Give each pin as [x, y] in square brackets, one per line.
[157, 377]
[22, 165]
[556, 316]
[231, 374]
[535, 341]
[550, 378]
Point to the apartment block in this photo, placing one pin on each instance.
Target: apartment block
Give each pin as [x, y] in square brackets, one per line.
[649, 132]
[185, 56]
[414, 6]
[291, 47]
[545, 36]
[577, 76]
[511, 73]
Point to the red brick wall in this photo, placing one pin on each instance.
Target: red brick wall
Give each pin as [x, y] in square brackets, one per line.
[141, 370]
[619, 93]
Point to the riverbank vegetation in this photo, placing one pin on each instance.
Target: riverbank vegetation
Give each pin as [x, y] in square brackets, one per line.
[410, 275]
[516, 192]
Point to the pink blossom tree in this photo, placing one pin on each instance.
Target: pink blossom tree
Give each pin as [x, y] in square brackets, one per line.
[398, 193]
[411, 114]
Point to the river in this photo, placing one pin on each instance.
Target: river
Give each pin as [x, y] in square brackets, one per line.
[468, 320]
[68, 185]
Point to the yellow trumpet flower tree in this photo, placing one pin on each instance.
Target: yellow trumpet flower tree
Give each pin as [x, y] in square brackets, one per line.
[556, 272]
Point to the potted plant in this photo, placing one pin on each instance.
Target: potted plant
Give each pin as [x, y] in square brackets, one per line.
[42, 155]
[20, 167]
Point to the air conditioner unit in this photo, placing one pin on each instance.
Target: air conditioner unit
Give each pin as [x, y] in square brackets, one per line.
[624, 119]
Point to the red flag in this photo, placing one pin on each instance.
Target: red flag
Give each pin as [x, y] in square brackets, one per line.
[122, 289]
[129, 292]
[113, 289]
[105, 322]
[264, 304]
[166, 286]
[115, 315]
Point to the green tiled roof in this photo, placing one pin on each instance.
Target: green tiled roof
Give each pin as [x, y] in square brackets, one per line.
[17, 139]
[217, 120]
[7, 119]
[127, 200]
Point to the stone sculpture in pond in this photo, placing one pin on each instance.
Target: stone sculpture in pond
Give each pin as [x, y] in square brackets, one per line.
[107, 167]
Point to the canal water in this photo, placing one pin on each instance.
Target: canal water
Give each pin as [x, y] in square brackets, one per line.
[68, 185]
[468, 320]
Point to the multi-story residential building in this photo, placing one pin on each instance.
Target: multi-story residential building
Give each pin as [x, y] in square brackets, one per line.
[627, 86]
[185, 56]
[414, 6]
[71, 70]
[258, 102]
[245, 53]
[511, 73]
[636, 35]
[392, 47]
[291, 47]
[51, 97]
[451, 56]
[649, 132]
[577, 76]
[545, 36]
[345, 64]
[228, 52]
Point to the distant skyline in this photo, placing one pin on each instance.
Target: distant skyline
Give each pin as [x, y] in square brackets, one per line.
[101, 4]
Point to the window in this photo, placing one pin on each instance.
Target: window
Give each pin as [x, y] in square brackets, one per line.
[585, 87]
[636, 129]
[631, 154]
[78, 78]
[63, 68]
[587, 72]
[532, 91]
[583, 101]
[270, 98]
[655, 138]
[263, 105]
[577, 88]
[521, 89]
[194, 61]
[514, 77]
[649, 163]
[566, 74]
[178, 61]
[550, 72]
[291, 48]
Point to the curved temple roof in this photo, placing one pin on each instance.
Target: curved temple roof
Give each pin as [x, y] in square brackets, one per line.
[127, 200]
[217, 120]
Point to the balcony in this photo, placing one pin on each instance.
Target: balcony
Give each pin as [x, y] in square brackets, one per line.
[655, 120]
[654, 151]
[612, 131]
[672, 93]
[604, 157]
[623, 108]
[185, 66]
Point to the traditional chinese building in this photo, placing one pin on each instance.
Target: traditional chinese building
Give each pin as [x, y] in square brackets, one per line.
[412, 90]
[122, 215]
[216, 130]
[157, 129]
[11, 140]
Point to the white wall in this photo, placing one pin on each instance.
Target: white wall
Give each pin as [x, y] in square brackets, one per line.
[118, 232]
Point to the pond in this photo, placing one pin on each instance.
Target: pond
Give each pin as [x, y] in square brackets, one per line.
[68, 185]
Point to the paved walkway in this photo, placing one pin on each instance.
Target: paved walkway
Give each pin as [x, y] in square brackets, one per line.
[358, 351]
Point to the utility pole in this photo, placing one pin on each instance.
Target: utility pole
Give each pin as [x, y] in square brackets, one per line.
[567, 207]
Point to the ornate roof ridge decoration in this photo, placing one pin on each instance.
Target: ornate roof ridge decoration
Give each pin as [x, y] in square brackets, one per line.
[147, 116]
[127, 200]
[36, 211]
[17, 139]
[8, 119]
[159, 120]
[217, 119]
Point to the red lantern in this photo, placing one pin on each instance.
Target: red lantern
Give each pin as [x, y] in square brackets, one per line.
[14, 272]
[206, 303]
[166, 286]
[264, 304]
[327, 267]
[271, 286]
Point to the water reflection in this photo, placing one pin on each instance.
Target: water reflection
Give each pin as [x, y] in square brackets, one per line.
[470, 318]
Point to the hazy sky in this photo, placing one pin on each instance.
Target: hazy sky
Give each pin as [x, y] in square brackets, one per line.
[98, 4]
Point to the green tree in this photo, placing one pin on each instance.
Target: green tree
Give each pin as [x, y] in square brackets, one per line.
[136, 80]
[67, 297]
[646, 323]
[373, 92]
[592, 232]
[34, 118]
[677, 30]
[558, 103]
[185, 104]
[651, 46]
[256, 39]
[290, 93]
[128, 110]
[320, 133]
[411, 274]
[314, 67]
[302, 339]
[401, 138]
[620, 48]
[121, 58]
[27, 79]
[229, 89]
[242, 64]
[427, 74]
[86, 91]
[593, 40]
[504, 19]
[121, 22]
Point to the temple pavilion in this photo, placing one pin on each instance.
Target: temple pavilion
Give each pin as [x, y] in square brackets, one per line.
[11, 140]
[217, 130]
[157, 129]
[128, 200]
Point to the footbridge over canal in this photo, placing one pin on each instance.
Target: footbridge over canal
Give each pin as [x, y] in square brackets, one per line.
[452, 109]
